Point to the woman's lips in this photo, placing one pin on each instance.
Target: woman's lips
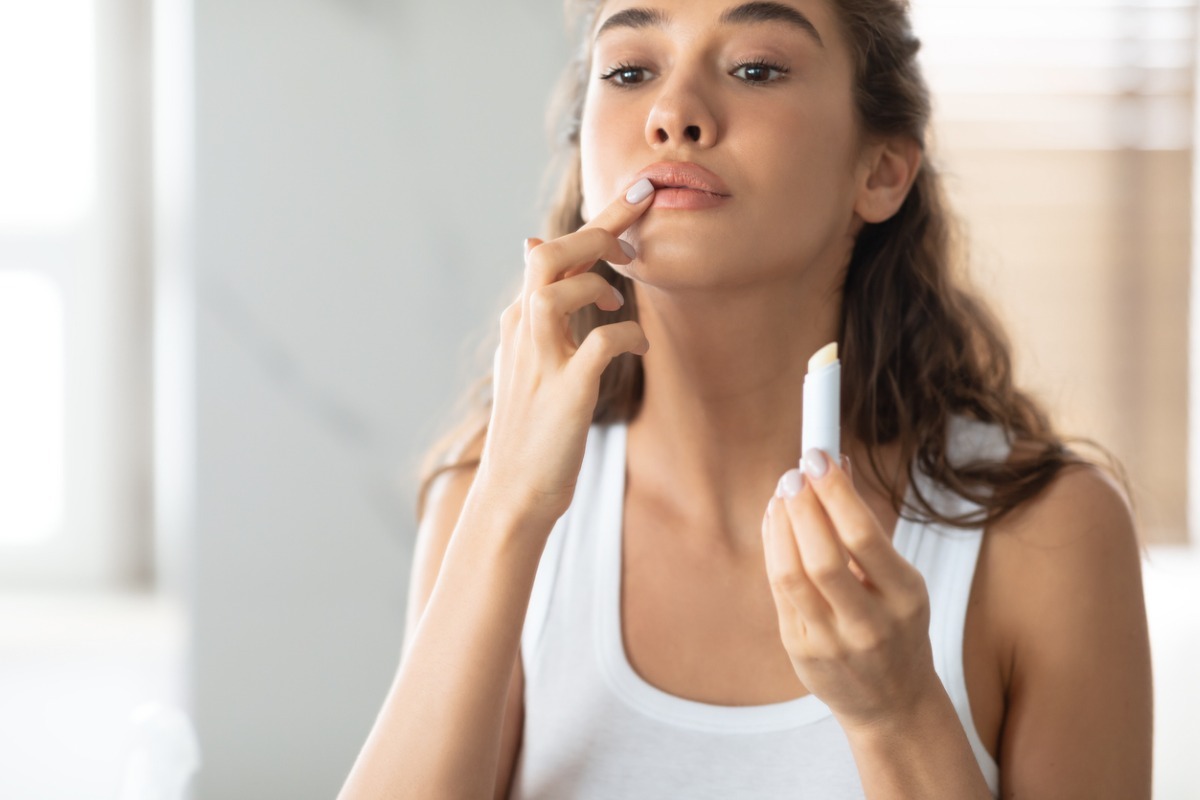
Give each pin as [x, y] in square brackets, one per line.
[686, 199]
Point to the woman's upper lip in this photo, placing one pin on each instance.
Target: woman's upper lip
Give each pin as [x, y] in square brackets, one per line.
[683, 174]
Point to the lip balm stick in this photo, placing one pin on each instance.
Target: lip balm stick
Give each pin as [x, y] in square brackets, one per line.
[821, 426]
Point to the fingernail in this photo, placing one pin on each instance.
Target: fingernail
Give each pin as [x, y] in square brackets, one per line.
[639, 191]
[790, 484]
[815, 463]
[620, 297]
[628, 248]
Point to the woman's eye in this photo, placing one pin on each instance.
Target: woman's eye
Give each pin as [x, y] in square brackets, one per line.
[622, 75]
[758, 72]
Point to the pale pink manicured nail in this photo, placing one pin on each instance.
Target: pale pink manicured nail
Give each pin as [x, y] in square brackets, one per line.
[816, 463]
[639, 191]
[627, 248]
[789, 484]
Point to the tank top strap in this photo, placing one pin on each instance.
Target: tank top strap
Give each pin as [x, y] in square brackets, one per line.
[946, 556]
[586, 506]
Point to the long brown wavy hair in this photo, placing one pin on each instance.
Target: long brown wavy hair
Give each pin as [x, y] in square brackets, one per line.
[916, 342]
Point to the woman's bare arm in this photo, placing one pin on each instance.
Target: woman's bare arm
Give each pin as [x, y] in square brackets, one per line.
[446, 498]
[1080, 712]
[439, 733]
[447, 495]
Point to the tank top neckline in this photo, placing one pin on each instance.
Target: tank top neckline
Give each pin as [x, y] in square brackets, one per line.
[610, 648]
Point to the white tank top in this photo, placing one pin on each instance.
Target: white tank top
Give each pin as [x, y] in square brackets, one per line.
[594, 729]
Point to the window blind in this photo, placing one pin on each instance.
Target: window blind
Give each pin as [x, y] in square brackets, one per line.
[1070, 74]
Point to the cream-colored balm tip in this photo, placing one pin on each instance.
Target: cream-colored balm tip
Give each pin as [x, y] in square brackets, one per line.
[826, 355]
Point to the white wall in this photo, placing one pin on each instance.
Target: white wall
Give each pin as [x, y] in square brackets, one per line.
[364, 174]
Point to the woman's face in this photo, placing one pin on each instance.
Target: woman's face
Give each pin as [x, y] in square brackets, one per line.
[763, 99]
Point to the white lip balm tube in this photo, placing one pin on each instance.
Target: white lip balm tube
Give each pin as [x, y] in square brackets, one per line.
[821, 426]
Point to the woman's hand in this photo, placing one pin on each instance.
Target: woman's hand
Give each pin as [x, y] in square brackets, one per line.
[853, 613]
[545, 386]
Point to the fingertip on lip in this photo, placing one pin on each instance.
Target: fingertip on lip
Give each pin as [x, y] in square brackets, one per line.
[639, 191]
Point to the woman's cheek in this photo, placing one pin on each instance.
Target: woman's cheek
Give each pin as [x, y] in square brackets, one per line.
[598, 168]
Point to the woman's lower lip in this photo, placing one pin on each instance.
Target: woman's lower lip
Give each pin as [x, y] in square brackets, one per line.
[690, 199]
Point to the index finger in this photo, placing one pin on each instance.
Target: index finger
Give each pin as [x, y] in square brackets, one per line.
[577, 252]
[859, 528]
[624, 210]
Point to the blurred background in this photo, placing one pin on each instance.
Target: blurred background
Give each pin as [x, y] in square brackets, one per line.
[248, 249]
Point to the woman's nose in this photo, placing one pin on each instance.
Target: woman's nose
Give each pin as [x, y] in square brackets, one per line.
[691, 132]
[680, 114]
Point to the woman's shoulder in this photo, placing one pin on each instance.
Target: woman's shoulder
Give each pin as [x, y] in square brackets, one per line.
[1081, 502]
[1064, 571]
[1077, 535]
[1081, 495]
[1080, 526]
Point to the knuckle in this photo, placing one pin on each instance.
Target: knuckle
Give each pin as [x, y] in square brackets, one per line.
[511, 313]
[787, 581]
[918, 579]
[828, 648]
[914, 584]
[909, 610]
[540, 257]
[793, 636]
[825, 571]
[861, 539]
[917, 608]
[865, 637]
[541, 301]
[603, 335]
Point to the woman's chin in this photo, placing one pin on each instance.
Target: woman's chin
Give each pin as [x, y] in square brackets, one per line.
[679, 265]
[669, 253]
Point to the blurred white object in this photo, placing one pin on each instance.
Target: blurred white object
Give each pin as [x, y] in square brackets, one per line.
[1172, 585]
[165, 754]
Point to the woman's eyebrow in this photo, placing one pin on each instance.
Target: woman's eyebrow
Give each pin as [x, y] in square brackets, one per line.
[745, 14]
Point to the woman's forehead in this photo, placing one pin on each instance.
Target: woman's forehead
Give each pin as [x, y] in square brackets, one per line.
[813, 18]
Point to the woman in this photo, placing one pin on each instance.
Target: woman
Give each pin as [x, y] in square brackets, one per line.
[624, 609]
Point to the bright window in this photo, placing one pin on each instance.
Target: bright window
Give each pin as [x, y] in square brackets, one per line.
[47, 177]
[74, 116]
[47, 114]
[31, 406]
